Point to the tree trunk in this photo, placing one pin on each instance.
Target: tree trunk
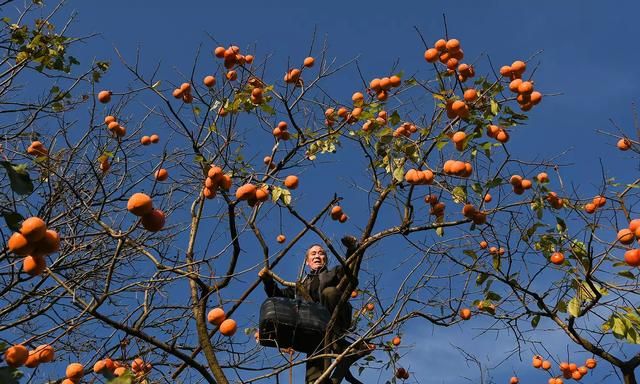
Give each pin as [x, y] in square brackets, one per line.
[628, 376]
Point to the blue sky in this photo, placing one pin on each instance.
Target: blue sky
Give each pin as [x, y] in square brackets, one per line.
[586, 51]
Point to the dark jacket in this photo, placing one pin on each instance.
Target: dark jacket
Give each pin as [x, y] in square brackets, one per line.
[314, 283]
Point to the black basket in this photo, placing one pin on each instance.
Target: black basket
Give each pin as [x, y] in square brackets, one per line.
[293, 323]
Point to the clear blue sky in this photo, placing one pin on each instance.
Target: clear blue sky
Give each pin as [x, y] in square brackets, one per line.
[588, 56]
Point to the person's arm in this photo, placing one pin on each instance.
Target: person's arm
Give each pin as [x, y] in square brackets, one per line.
[340, 273]
[271, 288]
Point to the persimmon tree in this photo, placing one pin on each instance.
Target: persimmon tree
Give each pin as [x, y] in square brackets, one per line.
[138, 215]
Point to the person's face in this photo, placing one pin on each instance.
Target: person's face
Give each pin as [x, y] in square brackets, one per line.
[316, 258]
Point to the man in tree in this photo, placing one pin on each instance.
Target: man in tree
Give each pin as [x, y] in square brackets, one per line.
[320, 285]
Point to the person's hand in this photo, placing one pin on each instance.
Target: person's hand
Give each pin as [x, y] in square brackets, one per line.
[264, 273]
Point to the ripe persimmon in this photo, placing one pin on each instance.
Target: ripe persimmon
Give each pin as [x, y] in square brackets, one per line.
[599, 201]
[535, 97]
[19, 244]
[209, 81]
[15, 356]
[590, 208]
[502, 136]
[525, 87]
[75, 371]
[483, 244]
[431, 55]
[590, 363]
[104, 96]
[37, 149]
[139, 204]
[505, 71]
[219, 52]
[453, 44]
[396, 341]
[137, 365]
[33, 229]
[32, 360]
[518, 67]
[209, 193]
[336, 212]
[470, 95]
[395, 81]
[100, 367]
[514, 85]
[154, 220]
[281, 238]
[34, 265]
[465, 313]
[45, 353]
[145, 140]
[161, 174]
[536, 362]
[542, 177]
[492, 130]
[232, 75]
[632, 257]
[225, 182]
[154, 138]
[458, 137]
[309, 61]
[624, 144]
[228, 327]
[291, 182]
[216, 316]
[625, 236]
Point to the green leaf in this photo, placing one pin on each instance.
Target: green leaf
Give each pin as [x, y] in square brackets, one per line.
[472, 254]
[286, 197]
[562, 306]
[267, 109]
[495, 108]
[398, 174]
[8, 375]
[440, 231]
[275, 193]
[482, 277]
[574, 306]
[493, 183]
[459, 194]
[561, 226]
[18, 178]
[627, 274]
[493, 296]
[13, 220]
[394, 119]
[198, 159]
[156, 84]
[618, 328]
[632, 336]
[496, 262]
[196, 110]
[534, 321]
[127, 378]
